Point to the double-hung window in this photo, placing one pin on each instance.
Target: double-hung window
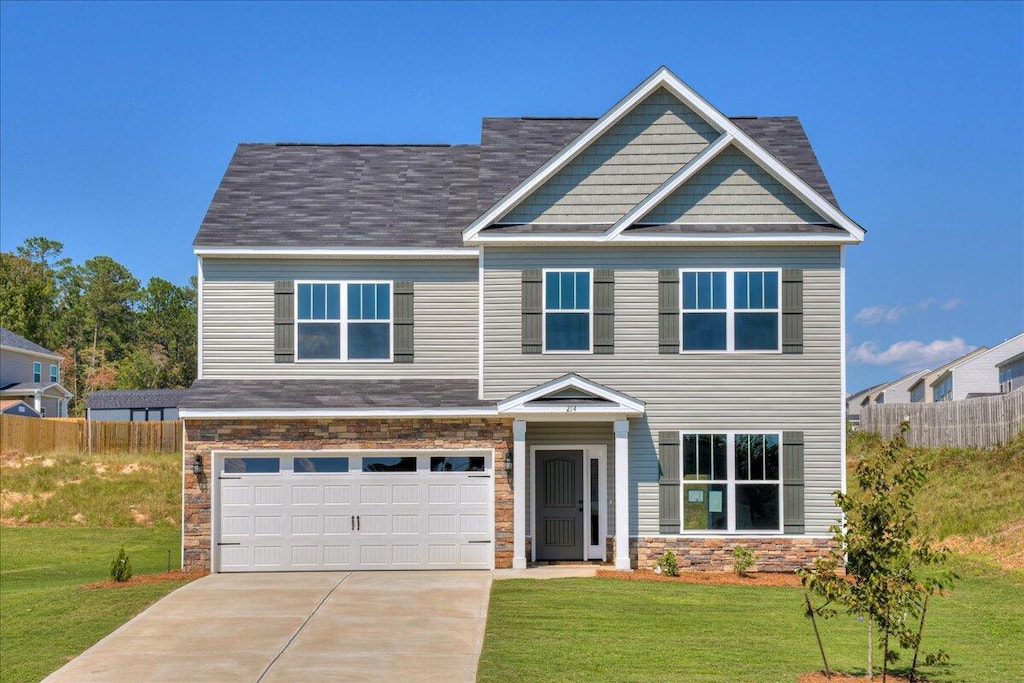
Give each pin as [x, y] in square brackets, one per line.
[37, 371]
[944, 391]
[568, 319]
[731, 482]
[343, 321]
[54, 374]
[730, 310]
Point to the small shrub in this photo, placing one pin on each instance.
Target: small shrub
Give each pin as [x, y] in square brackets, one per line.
[667, 565]
[121, 567]
[745, 560]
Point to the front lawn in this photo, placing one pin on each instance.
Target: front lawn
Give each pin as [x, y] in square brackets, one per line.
[46, 616]
[613, 630]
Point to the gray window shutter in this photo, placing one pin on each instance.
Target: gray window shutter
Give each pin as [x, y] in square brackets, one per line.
[284, 321]
[793, 482]
[792, 310]
[533, 310]
[668, 311]
[668, 484]
[604, 311]
[403, 320]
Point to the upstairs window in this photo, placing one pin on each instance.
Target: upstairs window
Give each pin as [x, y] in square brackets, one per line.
[1011, 377]
[567, 311]
[54, 374]
[917, 393]
[324, 333]
[730, 310]
[37, 371]
[944, 391]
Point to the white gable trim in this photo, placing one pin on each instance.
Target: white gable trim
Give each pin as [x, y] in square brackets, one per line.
[28, 352]
[663, 78]
[623, 404]
[543, 239]
[342, 252]
[669, 186]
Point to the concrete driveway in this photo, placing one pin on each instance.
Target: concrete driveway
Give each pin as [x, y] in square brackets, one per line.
[330, 626]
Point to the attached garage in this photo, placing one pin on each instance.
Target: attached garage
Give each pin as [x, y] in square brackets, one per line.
[351, 510]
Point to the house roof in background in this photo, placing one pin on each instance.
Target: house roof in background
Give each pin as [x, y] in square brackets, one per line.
[414, 196]
[1011, 360]
[135, 398]
[21, 388]
[16, 341]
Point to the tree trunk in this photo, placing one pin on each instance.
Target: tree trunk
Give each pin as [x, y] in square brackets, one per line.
[871, 651]
[814, 622]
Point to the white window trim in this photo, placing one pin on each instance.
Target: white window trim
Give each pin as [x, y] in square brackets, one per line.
[730, 311]
[37, 371]
[343, 321]
[545, 311]
[54, 373]
[730, 482]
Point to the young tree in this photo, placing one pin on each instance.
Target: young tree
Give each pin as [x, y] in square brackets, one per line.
[883, 551]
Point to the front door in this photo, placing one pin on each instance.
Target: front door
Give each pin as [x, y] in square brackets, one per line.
[559, 505]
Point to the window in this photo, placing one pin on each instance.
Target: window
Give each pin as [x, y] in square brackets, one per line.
[917, 393]
[944, 391]
[138, 415]
[567, 310]
[37, 371]
[730, 310]
[457, 463]
[324, 333]
[252, 465]
[731, 482]
[54, 374]
[1011, 377]
[373, 464]
[320, 465]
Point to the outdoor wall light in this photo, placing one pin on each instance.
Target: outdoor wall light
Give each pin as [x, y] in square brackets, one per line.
[197, 465]
[508, 463]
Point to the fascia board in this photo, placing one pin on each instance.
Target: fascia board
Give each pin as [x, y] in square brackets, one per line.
[272, 413]
[351, 252]
[40, 354]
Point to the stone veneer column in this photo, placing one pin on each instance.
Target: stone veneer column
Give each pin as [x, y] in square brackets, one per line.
[519, 494]
[622, 495]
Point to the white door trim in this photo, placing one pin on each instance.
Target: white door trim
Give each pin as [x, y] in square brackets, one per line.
[597, 452]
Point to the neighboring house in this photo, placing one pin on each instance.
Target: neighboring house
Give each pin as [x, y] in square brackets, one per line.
[854, 401]
[134, 405]
[31, 373]
[15, 406]
[895, 392]
[920, 390]
[581, 339]
[976, 376]
[1011, 374]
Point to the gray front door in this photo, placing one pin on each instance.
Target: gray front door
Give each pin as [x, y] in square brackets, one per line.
[559, 505]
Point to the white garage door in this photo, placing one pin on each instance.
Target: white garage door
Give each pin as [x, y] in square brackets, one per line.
[346, 511]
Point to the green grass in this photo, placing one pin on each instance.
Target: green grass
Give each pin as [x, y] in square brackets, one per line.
[611, 630]
[99, 490]
[46, 616]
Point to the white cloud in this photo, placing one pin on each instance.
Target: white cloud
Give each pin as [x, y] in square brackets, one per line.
[873, 315]
[950, 304]
[910, 354]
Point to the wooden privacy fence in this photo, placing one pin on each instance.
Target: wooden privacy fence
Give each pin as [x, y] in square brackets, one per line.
[974, 422]
[39, 435]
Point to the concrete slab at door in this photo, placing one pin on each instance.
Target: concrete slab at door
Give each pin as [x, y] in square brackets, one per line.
[560, 505]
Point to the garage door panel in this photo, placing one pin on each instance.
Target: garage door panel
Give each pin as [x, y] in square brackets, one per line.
[309, 520]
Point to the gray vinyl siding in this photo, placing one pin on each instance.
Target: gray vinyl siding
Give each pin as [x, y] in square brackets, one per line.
[238, 317]
[16, 366]
[621, 167]
[572, 434]
[110, 414]
[738, 391]
[732, 189]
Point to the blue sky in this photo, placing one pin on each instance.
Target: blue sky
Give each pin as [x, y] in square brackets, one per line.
[118, 120]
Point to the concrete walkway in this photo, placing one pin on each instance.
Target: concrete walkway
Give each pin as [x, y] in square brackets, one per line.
[316, 626]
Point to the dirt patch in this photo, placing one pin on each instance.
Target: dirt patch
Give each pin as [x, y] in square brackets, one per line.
[140, 517]
[819, 677]
[707, 578]
[99, 467]
[131, 467]
[1005, 547]
[79, 517]
[162, 577]
[9, 499]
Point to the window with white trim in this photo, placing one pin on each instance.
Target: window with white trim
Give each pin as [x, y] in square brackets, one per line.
[917, 393]
[730, 310]
[944, 391]
[54, 374]
[1011, 377]
[37, 371]
[568, 311]
[731, 482]
[343, 321]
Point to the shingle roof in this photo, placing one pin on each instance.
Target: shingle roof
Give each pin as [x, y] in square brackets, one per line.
[135, 398]
[341, 393]
[298, 195]
[8, 338]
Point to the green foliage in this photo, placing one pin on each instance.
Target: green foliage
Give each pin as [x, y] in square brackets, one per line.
[121, 567]
[112, 331]
[884, 554]
[667, 564]
[744, 560]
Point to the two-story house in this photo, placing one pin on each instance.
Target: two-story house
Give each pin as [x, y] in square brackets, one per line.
[920, 390]
[581, 339]
[977, 375]
[31, 373]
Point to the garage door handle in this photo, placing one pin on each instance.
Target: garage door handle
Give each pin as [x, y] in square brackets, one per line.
[229, 544]
[479, 541]
[479, 476]
[358, 522]
[229, 477]
[355, 523]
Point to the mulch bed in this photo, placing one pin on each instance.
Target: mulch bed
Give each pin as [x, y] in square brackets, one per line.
[162, 577]
[708, 578]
